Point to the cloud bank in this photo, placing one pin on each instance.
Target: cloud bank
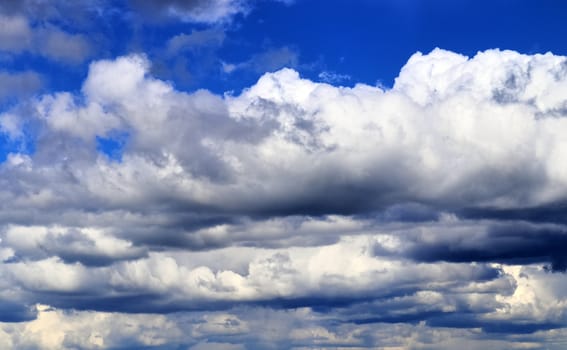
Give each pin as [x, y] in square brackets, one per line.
[338, 215]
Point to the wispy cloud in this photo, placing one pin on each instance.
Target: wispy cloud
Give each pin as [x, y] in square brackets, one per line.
[266, 61]
[333, 78]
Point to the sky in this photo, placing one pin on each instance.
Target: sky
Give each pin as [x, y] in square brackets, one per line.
[283, 174]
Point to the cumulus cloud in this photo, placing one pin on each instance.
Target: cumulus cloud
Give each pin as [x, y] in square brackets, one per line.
[284, 146]
[352, 206]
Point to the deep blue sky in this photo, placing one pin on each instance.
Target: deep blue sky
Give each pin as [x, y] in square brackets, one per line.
[375, 38]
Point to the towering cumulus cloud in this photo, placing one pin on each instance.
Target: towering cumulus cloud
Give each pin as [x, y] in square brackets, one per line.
[295, 214]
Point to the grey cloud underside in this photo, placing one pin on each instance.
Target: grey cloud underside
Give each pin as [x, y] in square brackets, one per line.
[16, 312]
[510, 243]
[436, 201]
[513, 243]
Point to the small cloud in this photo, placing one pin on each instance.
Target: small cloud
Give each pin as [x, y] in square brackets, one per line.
[333, 78]
[197, 39]
[267, 61]
[228, 67]
[274, 59]
[62, 46]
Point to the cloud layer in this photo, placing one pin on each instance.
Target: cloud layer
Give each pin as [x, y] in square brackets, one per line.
[432, 209]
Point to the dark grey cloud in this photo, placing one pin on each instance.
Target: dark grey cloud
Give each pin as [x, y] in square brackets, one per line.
[509, 243]
[16, 312]
[550, 213]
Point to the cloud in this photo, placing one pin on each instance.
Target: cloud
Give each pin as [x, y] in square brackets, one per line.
[512, 242]
[333, 78]
[89, 247]
[58, 10]
[353, 207]
[284, 147]
[55, 329]
[58, 45]
[17, 36]
[81, 14]
[188, 58]
[198, 11]
[19, 84]
[267, 61]
[273, 329]
[195, 40]
[15, 33]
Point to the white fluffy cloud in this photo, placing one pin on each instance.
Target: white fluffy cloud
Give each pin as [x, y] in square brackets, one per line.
[356, 205]
[443, 136]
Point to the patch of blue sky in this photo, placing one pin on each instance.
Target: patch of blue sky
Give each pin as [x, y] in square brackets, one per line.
[15, 145]
[112, 145]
